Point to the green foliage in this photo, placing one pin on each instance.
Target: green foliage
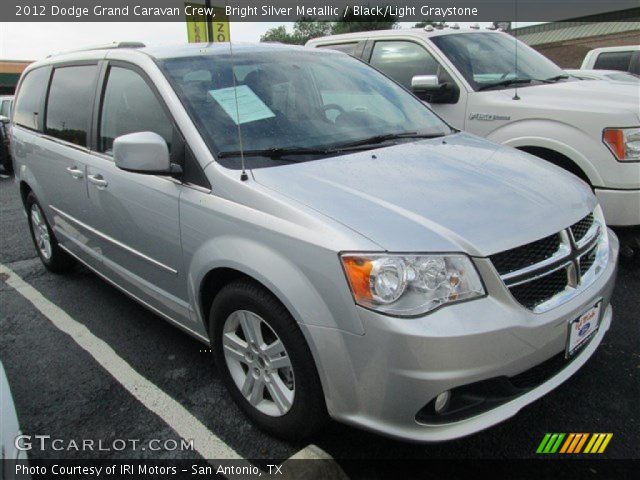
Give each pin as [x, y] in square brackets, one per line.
[362, 23]
[303, 30]
[307, 28]
[428, 21]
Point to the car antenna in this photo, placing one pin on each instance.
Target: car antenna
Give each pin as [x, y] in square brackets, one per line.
[515, 96]
[243, 176]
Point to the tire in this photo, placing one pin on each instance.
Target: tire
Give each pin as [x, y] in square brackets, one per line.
[5, 159]
[246, 302]
[52, 256]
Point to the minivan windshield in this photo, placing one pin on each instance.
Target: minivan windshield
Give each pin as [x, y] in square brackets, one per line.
[488, 60]
[294, 105]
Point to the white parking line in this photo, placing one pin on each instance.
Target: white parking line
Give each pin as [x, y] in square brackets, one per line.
[175, 415]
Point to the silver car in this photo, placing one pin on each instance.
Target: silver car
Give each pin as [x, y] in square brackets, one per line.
[346, 253]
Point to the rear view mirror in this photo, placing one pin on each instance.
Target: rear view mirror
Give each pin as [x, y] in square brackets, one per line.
[143, 152]
[429, 89]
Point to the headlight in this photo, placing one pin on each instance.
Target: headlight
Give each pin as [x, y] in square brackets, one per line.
[409, 285]
[624, 143]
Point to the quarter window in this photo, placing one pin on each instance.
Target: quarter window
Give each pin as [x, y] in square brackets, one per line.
[69, 103]
[30, 97]
[614, 61]
[403, 60]
[130, 106]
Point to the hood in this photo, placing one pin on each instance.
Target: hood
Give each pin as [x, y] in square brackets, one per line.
[608, 99]
[457, 193]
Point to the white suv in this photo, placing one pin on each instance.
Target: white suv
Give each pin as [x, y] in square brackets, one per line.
[473, 80]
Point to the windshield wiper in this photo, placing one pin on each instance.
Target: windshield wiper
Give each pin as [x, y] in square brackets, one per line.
[278, 152]
[275, 152]
[383, 138]
[555, 79]
[505, 83]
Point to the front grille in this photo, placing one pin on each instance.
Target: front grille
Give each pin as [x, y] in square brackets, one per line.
[535, 376]
[526, 255]
[533, 293]
[580, 229]
[538, 272]
[587, 260]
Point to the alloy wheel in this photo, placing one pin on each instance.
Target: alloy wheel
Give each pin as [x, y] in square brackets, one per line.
[258, 362]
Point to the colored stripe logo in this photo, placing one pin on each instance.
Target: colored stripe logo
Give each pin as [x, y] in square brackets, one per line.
[574, 443]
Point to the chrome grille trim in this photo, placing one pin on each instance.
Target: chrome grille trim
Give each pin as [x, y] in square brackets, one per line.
[570, 256]
[563, 252]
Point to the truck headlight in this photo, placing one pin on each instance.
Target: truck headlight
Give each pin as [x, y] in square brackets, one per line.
[624, 143]
[409, 285]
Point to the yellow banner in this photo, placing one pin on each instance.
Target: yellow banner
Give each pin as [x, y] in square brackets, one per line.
[197, 31]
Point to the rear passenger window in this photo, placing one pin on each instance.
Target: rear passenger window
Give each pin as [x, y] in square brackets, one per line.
[129, 105]
[70, 103]
[613, 61]
[349, 48]
[403, 60]
[30, 98]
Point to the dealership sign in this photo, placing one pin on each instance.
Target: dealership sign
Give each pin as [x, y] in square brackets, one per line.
[206, 23]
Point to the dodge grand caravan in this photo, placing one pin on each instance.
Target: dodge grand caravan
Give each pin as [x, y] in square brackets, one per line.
[346, 253]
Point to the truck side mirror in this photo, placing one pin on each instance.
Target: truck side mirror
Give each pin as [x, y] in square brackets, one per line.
[4, 119]
[429, 89]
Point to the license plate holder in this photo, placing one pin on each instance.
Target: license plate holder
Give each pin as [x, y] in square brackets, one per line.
[582, 329]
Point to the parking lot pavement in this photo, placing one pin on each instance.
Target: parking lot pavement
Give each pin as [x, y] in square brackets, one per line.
[61, 389]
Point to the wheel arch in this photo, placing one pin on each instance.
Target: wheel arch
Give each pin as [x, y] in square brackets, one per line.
[560, 154]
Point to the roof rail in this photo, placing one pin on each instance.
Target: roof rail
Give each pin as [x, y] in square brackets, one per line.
[106, 46]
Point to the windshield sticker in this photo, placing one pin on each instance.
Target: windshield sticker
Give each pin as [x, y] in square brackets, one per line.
[249, 107]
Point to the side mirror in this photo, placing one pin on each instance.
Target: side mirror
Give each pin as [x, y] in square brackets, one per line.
[4, 119]
[429, 89]
[143, 152]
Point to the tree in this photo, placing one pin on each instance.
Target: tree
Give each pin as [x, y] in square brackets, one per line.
[362, 23]
[277, 34]
[429, 22]
[303, 30]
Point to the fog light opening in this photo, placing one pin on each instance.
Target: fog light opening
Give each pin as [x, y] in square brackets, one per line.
[442, 402]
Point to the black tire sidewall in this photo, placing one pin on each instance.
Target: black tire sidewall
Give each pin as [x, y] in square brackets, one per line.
[308, 411]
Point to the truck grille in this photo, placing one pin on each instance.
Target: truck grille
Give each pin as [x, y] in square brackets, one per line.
[539, 273]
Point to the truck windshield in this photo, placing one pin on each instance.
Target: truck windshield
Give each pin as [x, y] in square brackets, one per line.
[487, 59]
[294, 105]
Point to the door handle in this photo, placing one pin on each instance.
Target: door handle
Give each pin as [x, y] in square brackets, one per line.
[75, 172]
[98, 180]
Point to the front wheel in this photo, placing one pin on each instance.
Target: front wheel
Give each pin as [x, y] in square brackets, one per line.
[265, 362]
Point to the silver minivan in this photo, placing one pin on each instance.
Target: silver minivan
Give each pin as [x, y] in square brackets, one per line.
[346, 253]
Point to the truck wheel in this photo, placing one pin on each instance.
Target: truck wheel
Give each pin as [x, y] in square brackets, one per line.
[265, 362]
[51, 255]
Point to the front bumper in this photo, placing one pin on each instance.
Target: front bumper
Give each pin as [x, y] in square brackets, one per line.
[382, 379]
[621, 207]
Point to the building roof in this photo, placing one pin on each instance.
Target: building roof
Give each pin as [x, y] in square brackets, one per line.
[623, 21]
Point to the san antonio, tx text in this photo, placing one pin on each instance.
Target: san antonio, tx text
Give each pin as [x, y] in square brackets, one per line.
[125, 469]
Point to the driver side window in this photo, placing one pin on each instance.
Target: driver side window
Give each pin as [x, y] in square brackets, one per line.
[128, 106]
[402, 60]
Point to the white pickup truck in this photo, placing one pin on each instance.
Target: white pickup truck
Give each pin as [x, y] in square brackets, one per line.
[489, 84]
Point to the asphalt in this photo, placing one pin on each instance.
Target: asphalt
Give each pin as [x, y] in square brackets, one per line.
[60, 390]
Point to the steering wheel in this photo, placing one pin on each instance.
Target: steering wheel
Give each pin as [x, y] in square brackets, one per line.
[504, 75]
